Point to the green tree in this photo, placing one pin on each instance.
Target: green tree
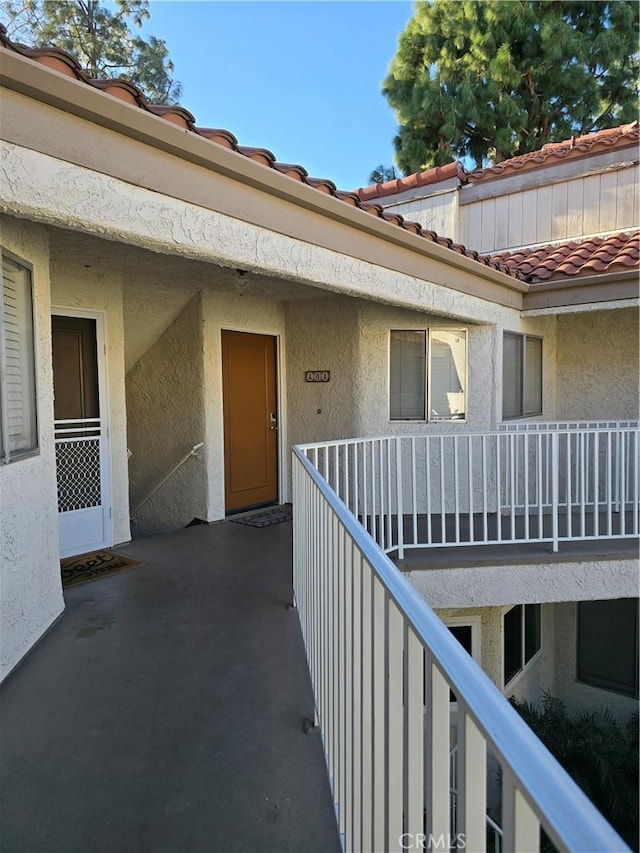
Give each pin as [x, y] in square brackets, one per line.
[495, 79]
[100, 39]
[382, 173]
[601, 757]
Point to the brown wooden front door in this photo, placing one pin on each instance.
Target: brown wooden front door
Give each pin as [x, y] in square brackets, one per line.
[250, 419]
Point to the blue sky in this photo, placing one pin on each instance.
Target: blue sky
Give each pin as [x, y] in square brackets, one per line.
[301, 78]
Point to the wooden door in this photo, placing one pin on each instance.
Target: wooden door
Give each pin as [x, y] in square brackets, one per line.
[84, 506]
[250, 420]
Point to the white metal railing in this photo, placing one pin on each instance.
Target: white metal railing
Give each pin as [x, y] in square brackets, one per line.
[545, 485]
[534, 426]
[494, 832]
[382, 666]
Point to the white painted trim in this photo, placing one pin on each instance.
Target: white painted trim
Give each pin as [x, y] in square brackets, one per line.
[475, 623]
[106, 470]
[583, 308]
[427, 384]
[506, 688]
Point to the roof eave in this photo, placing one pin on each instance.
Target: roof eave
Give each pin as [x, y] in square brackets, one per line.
[49, 86]
[582, 290]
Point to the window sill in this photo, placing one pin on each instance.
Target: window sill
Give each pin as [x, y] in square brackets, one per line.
[18, 457]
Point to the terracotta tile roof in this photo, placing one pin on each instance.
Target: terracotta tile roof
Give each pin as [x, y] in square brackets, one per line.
[615, 253]
[419, 179]
[64, 63]
[625, 136]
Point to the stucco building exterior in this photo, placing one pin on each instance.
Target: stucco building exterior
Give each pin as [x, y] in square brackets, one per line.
[186, 265]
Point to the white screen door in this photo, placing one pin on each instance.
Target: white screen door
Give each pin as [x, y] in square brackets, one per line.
[81, 436]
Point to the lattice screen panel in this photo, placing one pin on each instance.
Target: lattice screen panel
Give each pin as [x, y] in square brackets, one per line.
[78, 469]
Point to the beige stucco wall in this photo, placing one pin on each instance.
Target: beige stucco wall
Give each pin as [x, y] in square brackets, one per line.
[30, 585]
[537, 676]
[545, 579]
[81, 287]
[576, 696]
[484, 354]
[323, 334]
[597, 365]
[165, 404]
[243, 314]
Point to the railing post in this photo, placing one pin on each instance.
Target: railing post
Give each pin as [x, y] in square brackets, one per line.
[399, 501]
[555, 486]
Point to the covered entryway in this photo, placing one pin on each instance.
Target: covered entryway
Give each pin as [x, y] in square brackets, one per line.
[250, 419]
[82, 466]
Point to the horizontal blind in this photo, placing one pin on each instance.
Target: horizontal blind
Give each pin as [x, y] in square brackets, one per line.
[18, 393]
[533, 376]
[511, 376]
[407, 375]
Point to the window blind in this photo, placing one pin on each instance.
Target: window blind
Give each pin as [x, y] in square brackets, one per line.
[533, 376]
[511, 376]
[407, 375]
[17, 397]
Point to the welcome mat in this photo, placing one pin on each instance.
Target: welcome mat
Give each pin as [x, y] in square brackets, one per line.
[266, 517]
[90, 567]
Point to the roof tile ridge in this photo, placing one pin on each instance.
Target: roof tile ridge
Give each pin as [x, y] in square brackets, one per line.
[180, 116]
[607, 137]
[412, 181]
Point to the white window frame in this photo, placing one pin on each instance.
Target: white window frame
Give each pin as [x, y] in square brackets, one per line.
[473, 622]
[523, 338]
[428, 331]
[7, 454]
[525, 665]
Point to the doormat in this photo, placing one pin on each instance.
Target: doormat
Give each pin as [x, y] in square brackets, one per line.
[90, 567]
[266, 517]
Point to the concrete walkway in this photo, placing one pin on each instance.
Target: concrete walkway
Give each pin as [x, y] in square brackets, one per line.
[163, 712]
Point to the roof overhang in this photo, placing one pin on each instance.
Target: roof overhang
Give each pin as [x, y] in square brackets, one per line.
[400, 249]
[576, 293]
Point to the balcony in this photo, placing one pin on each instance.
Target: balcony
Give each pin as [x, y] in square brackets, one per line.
[405, 772]
[163, 712]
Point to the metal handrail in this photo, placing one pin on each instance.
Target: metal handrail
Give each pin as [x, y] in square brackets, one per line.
[192, 452]
[475, 479]
[566, 814]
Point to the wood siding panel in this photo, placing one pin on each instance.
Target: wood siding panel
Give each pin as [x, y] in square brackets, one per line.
[608, 201]
[559, 211]
[487, 243]
[543, 233]
[473, 234]
[529, 217]
[464, 224]
[625, 210]
[591, 201]
[502, 223]
[575, 208]
[515, 219]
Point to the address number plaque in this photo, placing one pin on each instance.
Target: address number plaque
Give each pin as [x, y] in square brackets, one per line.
[317, 375]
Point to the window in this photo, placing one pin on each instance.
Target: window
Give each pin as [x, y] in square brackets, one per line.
[18, 429]
[520, 638]
[428, 373]
[521, 376]
[607, 655]
[466, 630]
